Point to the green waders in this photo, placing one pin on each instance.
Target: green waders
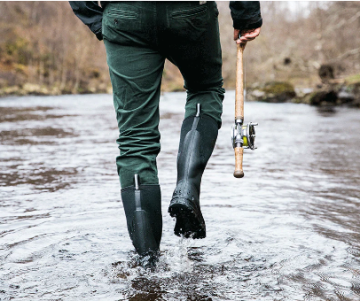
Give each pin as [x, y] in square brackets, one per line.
[138, 37]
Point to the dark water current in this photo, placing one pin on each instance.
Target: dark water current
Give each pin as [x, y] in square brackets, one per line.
[289, 230]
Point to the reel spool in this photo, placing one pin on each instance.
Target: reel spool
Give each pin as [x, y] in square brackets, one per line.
[244, 135]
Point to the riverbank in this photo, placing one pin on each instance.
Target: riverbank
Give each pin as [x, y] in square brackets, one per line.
[95, 82]
[43, 90]
[337, 92]
[35, 89]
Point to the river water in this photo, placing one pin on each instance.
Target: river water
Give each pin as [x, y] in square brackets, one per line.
[289, 230]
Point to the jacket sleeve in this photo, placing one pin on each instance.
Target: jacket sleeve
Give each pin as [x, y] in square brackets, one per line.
[90, 13]
[246, 14]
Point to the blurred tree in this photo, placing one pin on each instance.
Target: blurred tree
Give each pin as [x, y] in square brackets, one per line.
[43, 43]
[51, 47]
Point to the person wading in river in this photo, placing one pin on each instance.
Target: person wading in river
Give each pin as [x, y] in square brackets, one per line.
[138, 37]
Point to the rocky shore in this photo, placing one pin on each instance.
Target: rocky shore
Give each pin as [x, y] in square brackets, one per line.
[36, 89]
[332, 93]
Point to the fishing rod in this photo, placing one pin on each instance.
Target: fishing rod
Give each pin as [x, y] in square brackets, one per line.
[242, 135]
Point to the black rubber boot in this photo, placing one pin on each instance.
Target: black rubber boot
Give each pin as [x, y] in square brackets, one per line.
[197, 141]
[142, 204]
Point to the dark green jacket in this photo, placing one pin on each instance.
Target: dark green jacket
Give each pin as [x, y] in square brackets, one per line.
[245, 14]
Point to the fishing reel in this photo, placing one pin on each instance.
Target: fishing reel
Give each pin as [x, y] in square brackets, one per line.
[243, 135]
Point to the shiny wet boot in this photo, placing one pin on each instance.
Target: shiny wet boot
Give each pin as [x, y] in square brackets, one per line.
[197, 141]
[142, 204]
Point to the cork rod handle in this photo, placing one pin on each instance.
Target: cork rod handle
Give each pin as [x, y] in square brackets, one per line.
[239, 152]
[239, 90]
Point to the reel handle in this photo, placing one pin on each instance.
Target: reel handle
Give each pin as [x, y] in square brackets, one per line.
[239, 152]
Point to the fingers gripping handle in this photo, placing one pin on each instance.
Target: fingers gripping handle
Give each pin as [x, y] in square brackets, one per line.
[238, 173]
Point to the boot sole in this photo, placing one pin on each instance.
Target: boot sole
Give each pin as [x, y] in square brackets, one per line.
[188, 222]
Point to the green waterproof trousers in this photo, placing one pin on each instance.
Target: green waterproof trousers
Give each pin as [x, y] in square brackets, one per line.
[138, 37]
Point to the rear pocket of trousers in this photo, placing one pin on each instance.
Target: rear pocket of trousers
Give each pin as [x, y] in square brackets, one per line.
[191, 23]
[119, 21]
[193, 12]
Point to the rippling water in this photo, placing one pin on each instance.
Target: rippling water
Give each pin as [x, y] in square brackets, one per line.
[289, 230]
